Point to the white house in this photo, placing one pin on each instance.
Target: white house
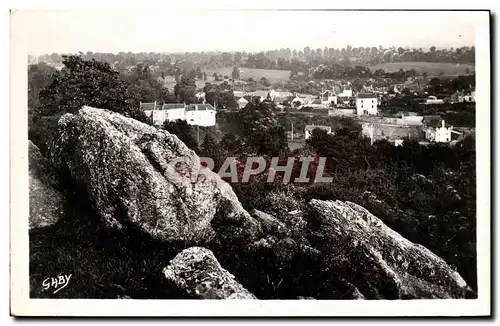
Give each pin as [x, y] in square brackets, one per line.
[327, 97]
[433, 100]
[174, 111]
[200, 115]
[280, 96]
[346, 92]
[366, 104]
[439, 134]
[148, 108]
[309, 128]
[194, 114]
[261, 95]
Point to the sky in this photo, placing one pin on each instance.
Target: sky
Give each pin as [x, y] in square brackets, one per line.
[237, 30]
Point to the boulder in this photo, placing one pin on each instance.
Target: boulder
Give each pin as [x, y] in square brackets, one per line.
[45, 202]
[379, 262]
[141, 177]
[270, 224]
[197, 273]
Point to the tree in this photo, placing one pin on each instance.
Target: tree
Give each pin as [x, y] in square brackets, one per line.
[82, 82]
[265, 82]
[79, 83]
[183, 131]
[185, 89]
[261, 130]
[231, 143]
[39, 76]
[236, 73]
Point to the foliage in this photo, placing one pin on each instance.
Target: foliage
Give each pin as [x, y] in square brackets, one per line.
[261, 132]
[185, 89]
[183, 131]
[236, 73]
[220, 96]
[39, 76]
[78, 83]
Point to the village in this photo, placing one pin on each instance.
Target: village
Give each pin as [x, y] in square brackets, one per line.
[366, 106]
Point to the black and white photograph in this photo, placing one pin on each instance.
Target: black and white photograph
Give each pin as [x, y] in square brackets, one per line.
[250, 162]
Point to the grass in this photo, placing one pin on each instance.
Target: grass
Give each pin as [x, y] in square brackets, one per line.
[431, 68]
[273, 76]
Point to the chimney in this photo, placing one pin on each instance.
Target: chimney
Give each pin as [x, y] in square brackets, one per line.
[442, 123]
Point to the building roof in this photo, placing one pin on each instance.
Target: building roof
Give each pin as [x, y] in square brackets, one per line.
[199, 107]
[147, 106]
[259, 93]
[366, 95]
[169, 106]
[238, 93]
[312, 127]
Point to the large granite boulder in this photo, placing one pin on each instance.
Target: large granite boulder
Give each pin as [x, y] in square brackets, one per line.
[45, 202]
[141, 177]
[378, 261]
[197, 273]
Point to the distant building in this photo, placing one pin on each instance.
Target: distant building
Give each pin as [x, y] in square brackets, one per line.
[439, 134]
[242, 102]
[146, 107]
[151, 110]
[174, 111]
[328, 97]
[346, 92]
[194, 114]
[260, 95]
[433, 100]
[398, 142]
[280, 96]
[366, 104]
[309, 128]
[238, 94]
[200, 115]
[461, 97]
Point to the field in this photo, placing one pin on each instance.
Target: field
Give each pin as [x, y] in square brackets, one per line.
[431, 68]
[272, 75]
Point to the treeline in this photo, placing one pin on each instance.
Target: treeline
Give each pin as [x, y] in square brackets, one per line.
[282, 59]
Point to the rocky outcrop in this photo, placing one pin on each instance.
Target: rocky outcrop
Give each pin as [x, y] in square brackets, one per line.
[270, 224]
[45, 202]
[141, 177]
[378, 261]
[197, 273]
